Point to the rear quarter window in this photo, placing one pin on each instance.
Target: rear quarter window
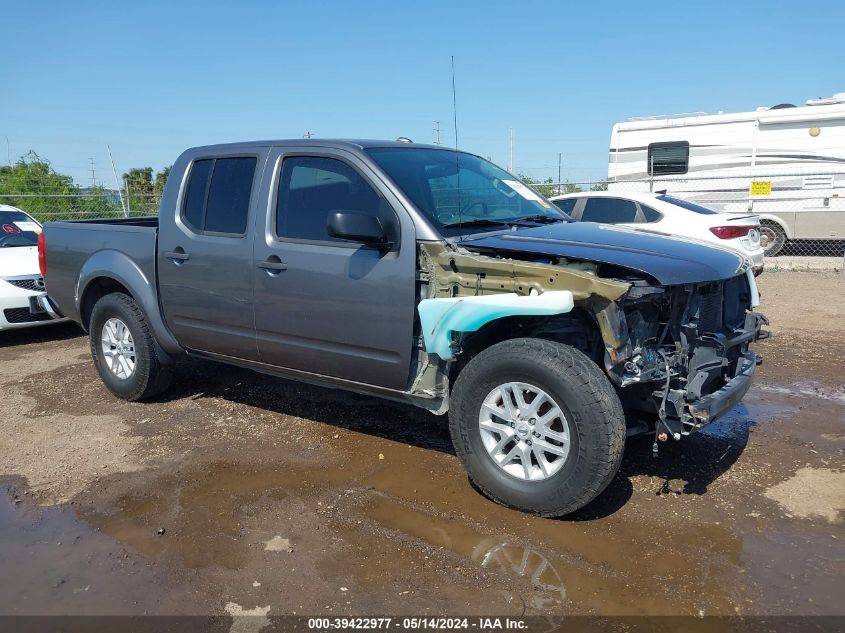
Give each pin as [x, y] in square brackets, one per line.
[218, 195]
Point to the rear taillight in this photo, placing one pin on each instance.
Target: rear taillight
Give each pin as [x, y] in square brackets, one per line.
[42, 253]
[730, 232]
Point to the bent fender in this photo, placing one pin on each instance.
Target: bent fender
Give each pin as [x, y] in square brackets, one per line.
[439, 318]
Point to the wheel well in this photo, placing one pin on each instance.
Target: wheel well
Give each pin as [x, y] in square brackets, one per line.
[575, 328]
[96, 290]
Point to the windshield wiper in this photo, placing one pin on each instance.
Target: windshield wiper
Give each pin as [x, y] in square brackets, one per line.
[544, 219]
[476, 222]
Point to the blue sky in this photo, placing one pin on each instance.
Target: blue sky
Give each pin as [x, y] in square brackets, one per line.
[152, 78]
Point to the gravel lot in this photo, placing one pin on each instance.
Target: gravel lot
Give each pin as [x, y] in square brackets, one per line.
[237, 492]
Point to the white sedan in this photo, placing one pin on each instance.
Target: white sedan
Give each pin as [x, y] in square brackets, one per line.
[669, 215]
[20, 276]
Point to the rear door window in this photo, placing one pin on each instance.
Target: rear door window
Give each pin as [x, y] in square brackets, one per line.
[609, 210]
[218, 195]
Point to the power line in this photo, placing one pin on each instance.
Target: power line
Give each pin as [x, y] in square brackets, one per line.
[308, 135]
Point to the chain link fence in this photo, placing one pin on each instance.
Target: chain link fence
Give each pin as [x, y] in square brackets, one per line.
[802, 215]
[100, 203]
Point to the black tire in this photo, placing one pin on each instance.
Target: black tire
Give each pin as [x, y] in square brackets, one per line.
[150, 376]
[584, 394]
[773, 238]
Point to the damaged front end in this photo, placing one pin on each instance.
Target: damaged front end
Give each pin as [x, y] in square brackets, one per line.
[678, 355]
[690, 359]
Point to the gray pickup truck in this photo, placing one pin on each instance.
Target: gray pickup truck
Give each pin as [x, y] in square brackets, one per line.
[420, 274]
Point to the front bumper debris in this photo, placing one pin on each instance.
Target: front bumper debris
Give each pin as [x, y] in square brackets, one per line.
[712, 406]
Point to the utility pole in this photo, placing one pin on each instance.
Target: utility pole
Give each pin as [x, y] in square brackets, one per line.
[308, 135]
[559, 161]
[437, 132]
[93, 177]
[510, 159]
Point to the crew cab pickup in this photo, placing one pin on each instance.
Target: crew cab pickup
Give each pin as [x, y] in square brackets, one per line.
[426, 275]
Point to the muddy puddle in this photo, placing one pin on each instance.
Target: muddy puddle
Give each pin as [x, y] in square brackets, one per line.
[758, 407]
[369, 520]
[59, 565]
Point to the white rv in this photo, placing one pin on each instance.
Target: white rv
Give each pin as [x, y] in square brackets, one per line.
[784, 163]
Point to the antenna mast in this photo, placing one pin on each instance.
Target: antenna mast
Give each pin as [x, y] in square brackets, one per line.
[510, 159]
[454, 103]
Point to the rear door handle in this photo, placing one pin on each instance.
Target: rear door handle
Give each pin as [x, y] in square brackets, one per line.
[178, 255]
[273, 264]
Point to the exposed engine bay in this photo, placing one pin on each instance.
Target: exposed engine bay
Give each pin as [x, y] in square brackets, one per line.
[690, 359]
[678, 355]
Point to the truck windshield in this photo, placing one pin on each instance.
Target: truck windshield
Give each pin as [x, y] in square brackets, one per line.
[18, 229]
[461, 193]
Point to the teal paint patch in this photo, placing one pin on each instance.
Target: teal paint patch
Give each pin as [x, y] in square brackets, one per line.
[439, 318]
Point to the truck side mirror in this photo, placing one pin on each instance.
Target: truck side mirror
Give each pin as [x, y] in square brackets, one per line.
[358, 227]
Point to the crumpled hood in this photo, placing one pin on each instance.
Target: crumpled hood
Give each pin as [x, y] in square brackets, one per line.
[18, 260]
[670, 260]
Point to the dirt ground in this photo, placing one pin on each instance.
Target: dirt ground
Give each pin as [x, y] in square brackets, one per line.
[237, 492]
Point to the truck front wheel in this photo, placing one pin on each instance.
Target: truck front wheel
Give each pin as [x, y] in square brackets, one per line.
[124, 351]
[537, 425]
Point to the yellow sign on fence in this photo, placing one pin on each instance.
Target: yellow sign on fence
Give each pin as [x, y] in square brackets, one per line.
[761, 187]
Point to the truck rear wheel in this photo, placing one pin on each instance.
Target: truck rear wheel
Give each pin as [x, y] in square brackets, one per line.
[124, 351]
[537, 425]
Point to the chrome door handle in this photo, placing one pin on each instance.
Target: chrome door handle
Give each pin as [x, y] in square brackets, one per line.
[273, 265]
[177, 256]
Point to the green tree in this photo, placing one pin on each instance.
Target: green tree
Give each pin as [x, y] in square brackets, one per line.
[599, 186]
[545, 188]
[139, 191]
[160, 181]
[97, 201]
[33, 185]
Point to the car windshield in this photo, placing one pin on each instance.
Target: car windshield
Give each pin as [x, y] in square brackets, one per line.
[689, 206]
[18, 229]
[461, 193]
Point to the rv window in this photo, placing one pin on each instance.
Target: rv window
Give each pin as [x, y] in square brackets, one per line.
[668, 158]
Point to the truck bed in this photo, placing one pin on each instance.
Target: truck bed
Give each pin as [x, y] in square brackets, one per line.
[145, 221]
[88, 248]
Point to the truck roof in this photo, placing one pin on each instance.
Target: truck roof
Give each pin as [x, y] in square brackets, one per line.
[354, 144]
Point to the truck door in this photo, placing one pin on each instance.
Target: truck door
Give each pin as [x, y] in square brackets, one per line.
[205, 255]
[325, 305]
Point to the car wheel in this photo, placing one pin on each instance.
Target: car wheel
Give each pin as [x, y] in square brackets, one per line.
[772, 239]
[537, 426]
[124, 351]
